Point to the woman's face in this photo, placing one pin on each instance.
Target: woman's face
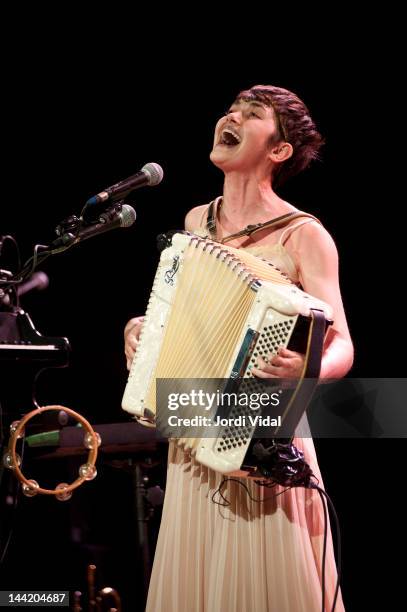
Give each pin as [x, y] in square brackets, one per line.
[243, 137]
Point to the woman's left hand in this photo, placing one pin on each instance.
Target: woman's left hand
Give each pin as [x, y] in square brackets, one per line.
[285, 364]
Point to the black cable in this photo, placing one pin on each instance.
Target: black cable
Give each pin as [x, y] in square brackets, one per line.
[242, 484]
[324, 549]
[338, 541]
[34, 261]
[4, 239]
[310, 484]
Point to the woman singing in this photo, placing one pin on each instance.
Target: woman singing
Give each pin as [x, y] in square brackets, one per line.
[254, 556]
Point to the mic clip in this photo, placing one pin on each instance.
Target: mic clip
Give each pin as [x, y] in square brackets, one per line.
[68, 229]
[110, 213]
[69, 225]
[72, 224]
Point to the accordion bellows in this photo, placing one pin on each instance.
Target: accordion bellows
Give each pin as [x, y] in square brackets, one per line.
[205, 299]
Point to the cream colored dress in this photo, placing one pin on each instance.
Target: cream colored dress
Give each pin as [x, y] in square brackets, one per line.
[249, 556]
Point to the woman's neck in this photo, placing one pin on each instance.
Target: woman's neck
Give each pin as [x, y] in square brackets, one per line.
[248, 201]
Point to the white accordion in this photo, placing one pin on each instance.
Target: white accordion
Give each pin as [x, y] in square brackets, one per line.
[213, 310]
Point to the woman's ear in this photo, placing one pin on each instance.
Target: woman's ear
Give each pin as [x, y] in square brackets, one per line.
[281, 152]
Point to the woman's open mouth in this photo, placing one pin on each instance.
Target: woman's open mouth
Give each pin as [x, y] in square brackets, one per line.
[229, 138]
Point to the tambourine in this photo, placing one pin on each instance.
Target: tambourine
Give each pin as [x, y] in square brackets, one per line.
[63, 491]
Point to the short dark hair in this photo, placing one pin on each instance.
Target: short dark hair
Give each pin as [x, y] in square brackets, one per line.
[294, 124]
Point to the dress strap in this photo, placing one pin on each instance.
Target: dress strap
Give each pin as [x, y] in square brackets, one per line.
[291, 228]
[202, 222]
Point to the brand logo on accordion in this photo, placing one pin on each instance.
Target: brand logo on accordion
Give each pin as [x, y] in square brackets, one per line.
[169, 275]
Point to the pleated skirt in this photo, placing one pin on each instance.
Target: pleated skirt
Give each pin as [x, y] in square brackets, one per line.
[248, 556]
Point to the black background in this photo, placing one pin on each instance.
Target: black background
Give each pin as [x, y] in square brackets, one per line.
[82, 110]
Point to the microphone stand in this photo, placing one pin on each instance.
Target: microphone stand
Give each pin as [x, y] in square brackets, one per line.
[70, 231]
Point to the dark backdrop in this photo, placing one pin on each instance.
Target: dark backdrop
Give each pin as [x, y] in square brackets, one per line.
[78, 117]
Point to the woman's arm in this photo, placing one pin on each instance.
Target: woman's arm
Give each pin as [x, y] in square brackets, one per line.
[316, 257]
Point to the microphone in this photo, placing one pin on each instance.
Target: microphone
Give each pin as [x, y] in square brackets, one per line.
[39, 280]
[124, 217]
[151, 174]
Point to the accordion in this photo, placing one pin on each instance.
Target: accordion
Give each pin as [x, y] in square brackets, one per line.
[213, 311]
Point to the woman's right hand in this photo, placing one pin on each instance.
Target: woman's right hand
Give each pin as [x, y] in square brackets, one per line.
[131, 338]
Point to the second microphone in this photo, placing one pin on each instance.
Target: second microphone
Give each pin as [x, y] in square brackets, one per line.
[151, 174]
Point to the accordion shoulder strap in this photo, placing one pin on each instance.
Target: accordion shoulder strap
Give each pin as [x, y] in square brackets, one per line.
[211, 216]
[272, 224]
